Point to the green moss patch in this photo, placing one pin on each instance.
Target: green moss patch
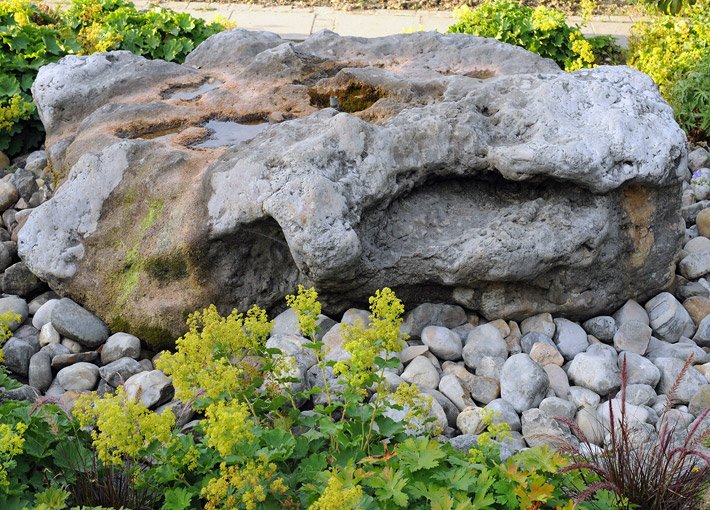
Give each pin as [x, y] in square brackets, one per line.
[167, 268]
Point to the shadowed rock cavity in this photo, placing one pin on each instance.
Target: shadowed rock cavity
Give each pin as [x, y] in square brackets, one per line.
[458, 169]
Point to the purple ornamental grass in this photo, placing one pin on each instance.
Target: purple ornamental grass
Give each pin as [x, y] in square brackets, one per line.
[663, 474]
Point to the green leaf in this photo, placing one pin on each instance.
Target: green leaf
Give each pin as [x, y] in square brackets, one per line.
[417, 454]
[177, 499]
[9, 85]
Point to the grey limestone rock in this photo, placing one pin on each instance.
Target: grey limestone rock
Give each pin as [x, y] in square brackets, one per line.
[119, 371]
[442, 342]
[120, 345]
[40, 371]
[76, 323]
[16, 305]
[150, 388]
[17, 355]
[632, 336]
[432, 314]
[570, 338]
[596, 369]
[80, 376]
[689, 384]
[668, 318]
[504, 412]
[602, 327]
[523, 383]
[421, 372]
[383, 191]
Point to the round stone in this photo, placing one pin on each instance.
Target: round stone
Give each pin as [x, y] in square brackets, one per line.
[632, 336]
[530, 339]
[602, 327]
[442, 342]
[640, 395]
[119, 371]
[504, 412]
[523, 383]
[17, 355]
[484, 389]
[631, 311]
[19, 280]
[700, 401]
[686, 388]
[79, 377]
[43, 315]
[40, 371]
[421, 372]
[454, 390]
[698, 307]
[583, 397]
[541, 323]
[150, 388]
[48, 335]
[559, 383]
[557, 407]
[16, 305]
[570, 338]
[470, 421]
[639, 370]
[596, 369]
[76, 323]
[545, 354]
[668, 319]
[485, 340]
[120, 345]
[703, 222]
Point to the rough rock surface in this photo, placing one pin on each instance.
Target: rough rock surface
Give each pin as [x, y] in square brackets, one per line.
[459, 169]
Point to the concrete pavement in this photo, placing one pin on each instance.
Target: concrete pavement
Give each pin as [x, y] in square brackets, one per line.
[297, 23]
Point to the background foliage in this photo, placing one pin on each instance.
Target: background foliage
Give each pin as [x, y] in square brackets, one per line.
[33, 35]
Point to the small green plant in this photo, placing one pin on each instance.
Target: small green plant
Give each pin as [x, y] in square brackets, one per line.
[34, 35]
[541, 30]
[690, 99]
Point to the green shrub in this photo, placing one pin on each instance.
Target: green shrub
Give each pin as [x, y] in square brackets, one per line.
[669, 47]
[690, 99]
[541, 30]
[31, 35]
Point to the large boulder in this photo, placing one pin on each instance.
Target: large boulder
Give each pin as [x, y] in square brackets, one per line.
[455, 169]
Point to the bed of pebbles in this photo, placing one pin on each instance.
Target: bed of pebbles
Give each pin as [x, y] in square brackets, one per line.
[528, 372]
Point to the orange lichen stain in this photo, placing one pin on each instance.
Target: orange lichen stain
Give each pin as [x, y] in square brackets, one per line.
[639, 208]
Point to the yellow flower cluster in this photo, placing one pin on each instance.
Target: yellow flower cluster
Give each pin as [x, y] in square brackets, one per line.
[418, 407]
[227, 424]
[6, 319]
[243, 486]
[339, 494]
[544, 18]
[495, 432]
[583, 50]
[122, 427]
[11, 443]
[307, 308]
[210, 358]
[365, 343]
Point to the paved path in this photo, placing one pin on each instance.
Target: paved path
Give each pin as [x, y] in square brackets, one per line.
[299, 22]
